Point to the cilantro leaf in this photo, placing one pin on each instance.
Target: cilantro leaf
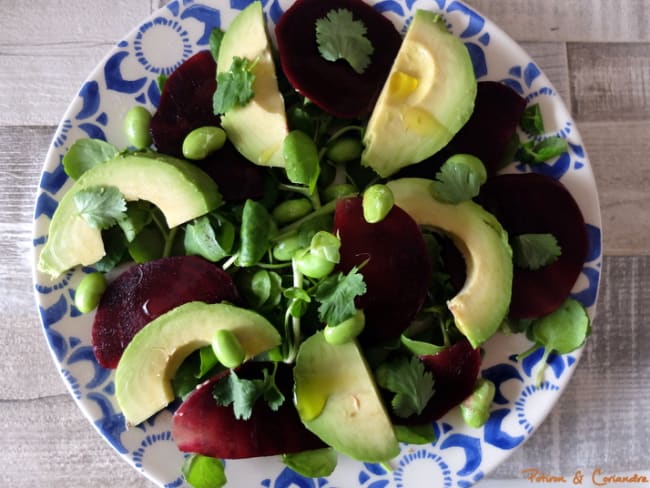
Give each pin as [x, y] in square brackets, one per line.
[100, 206]
[459, 179]
[411, 383]
[533, 251]
[339, 36]
[243, 393]
[532, 152]
[235, 86]
[336, 295]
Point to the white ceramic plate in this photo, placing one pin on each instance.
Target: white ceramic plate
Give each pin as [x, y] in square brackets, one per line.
[461, 456]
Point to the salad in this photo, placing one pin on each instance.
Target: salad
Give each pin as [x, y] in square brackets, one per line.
[337, 261]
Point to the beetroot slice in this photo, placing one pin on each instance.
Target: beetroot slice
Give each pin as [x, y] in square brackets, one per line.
[535, 203]
[455, 371]
[335, 86]
[185, 103]
[146, 291]
[487, 134]
[237, 178]
[397, 272]
[201, 426]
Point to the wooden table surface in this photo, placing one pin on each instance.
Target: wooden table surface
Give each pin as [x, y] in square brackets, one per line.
[596, 53]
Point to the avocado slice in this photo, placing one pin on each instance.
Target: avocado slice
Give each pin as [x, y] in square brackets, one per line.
[427, 98]
[258, 128]
[337, 400]
[483, 302]
[149, 362]
[179, 189]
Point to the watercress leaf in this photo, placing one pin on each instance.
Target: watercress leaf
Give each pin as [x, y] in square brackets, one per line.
[421, 348]
[86, 153]
[340, 36]
[336, 295]
[161, 79]
[532, 121]
[532, 152]
[459, 179]
[415, 434]
[207, 362]
[315, 463]
[100, 206]
[299, 300]
[115, 246]
[216, 36]
[411, 383]
[235, 86]
[211, 238]
[326, 245]
[301, 159]
[533, 251]
[254, 233]
[563, 330]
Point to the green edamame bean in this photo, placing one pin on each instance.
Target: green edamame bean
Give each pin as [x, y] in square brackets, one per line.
[203, 141]
[286, 247]
[313, 265]
[227, 348]
[291, 210]
[475, 409]
[136, 127]
[346, 330]
[377, 201]
[344, 150]
[89, 292]
[337, 191]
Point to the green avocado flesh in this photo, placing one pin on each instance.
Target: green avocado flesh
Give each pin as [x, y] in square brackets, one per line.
[483, 302]
[149, 362]
[427, 98]
[337, 400]
[179, 189]
[258, 128]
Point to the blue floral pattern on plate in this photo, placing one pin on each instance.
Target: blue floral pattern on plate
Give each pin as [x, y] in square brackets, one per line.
[460, 456]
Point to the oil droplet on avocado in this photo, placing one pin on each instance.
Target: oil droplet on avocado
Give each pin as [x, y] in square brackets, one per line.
[402, 85]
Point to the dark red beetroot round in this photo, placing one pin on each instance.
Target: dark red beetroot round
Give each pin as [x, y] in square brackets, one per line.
[335, 86]
[145, 291]
[497, 112]
[397, 273]
[201, 426]
[535, 203]
[185, 103]
[236, 177]
[455, 371]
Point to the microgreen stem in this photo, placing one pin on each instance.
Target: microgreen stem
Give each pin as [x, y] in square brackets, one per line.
[298, 280]
[169, 242]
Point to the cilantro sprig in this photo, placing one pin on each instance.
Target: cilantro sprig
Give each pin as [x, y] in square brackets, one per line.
[235, 86]
[340, 36]
[336, 295]
[242, 393]
[534, 251]
[411, 383]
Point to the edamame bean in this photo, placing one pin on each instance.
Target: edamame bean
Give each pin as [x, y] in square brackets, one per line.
[291, 210]
[344, 150]
[472, 163]
[377, 202]
[136, 127]
[346, 330]
[286, 247]
[337, 191]
[89, 292]
[475, 409]
[203, 141]
[227, 348]
[313, 265]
